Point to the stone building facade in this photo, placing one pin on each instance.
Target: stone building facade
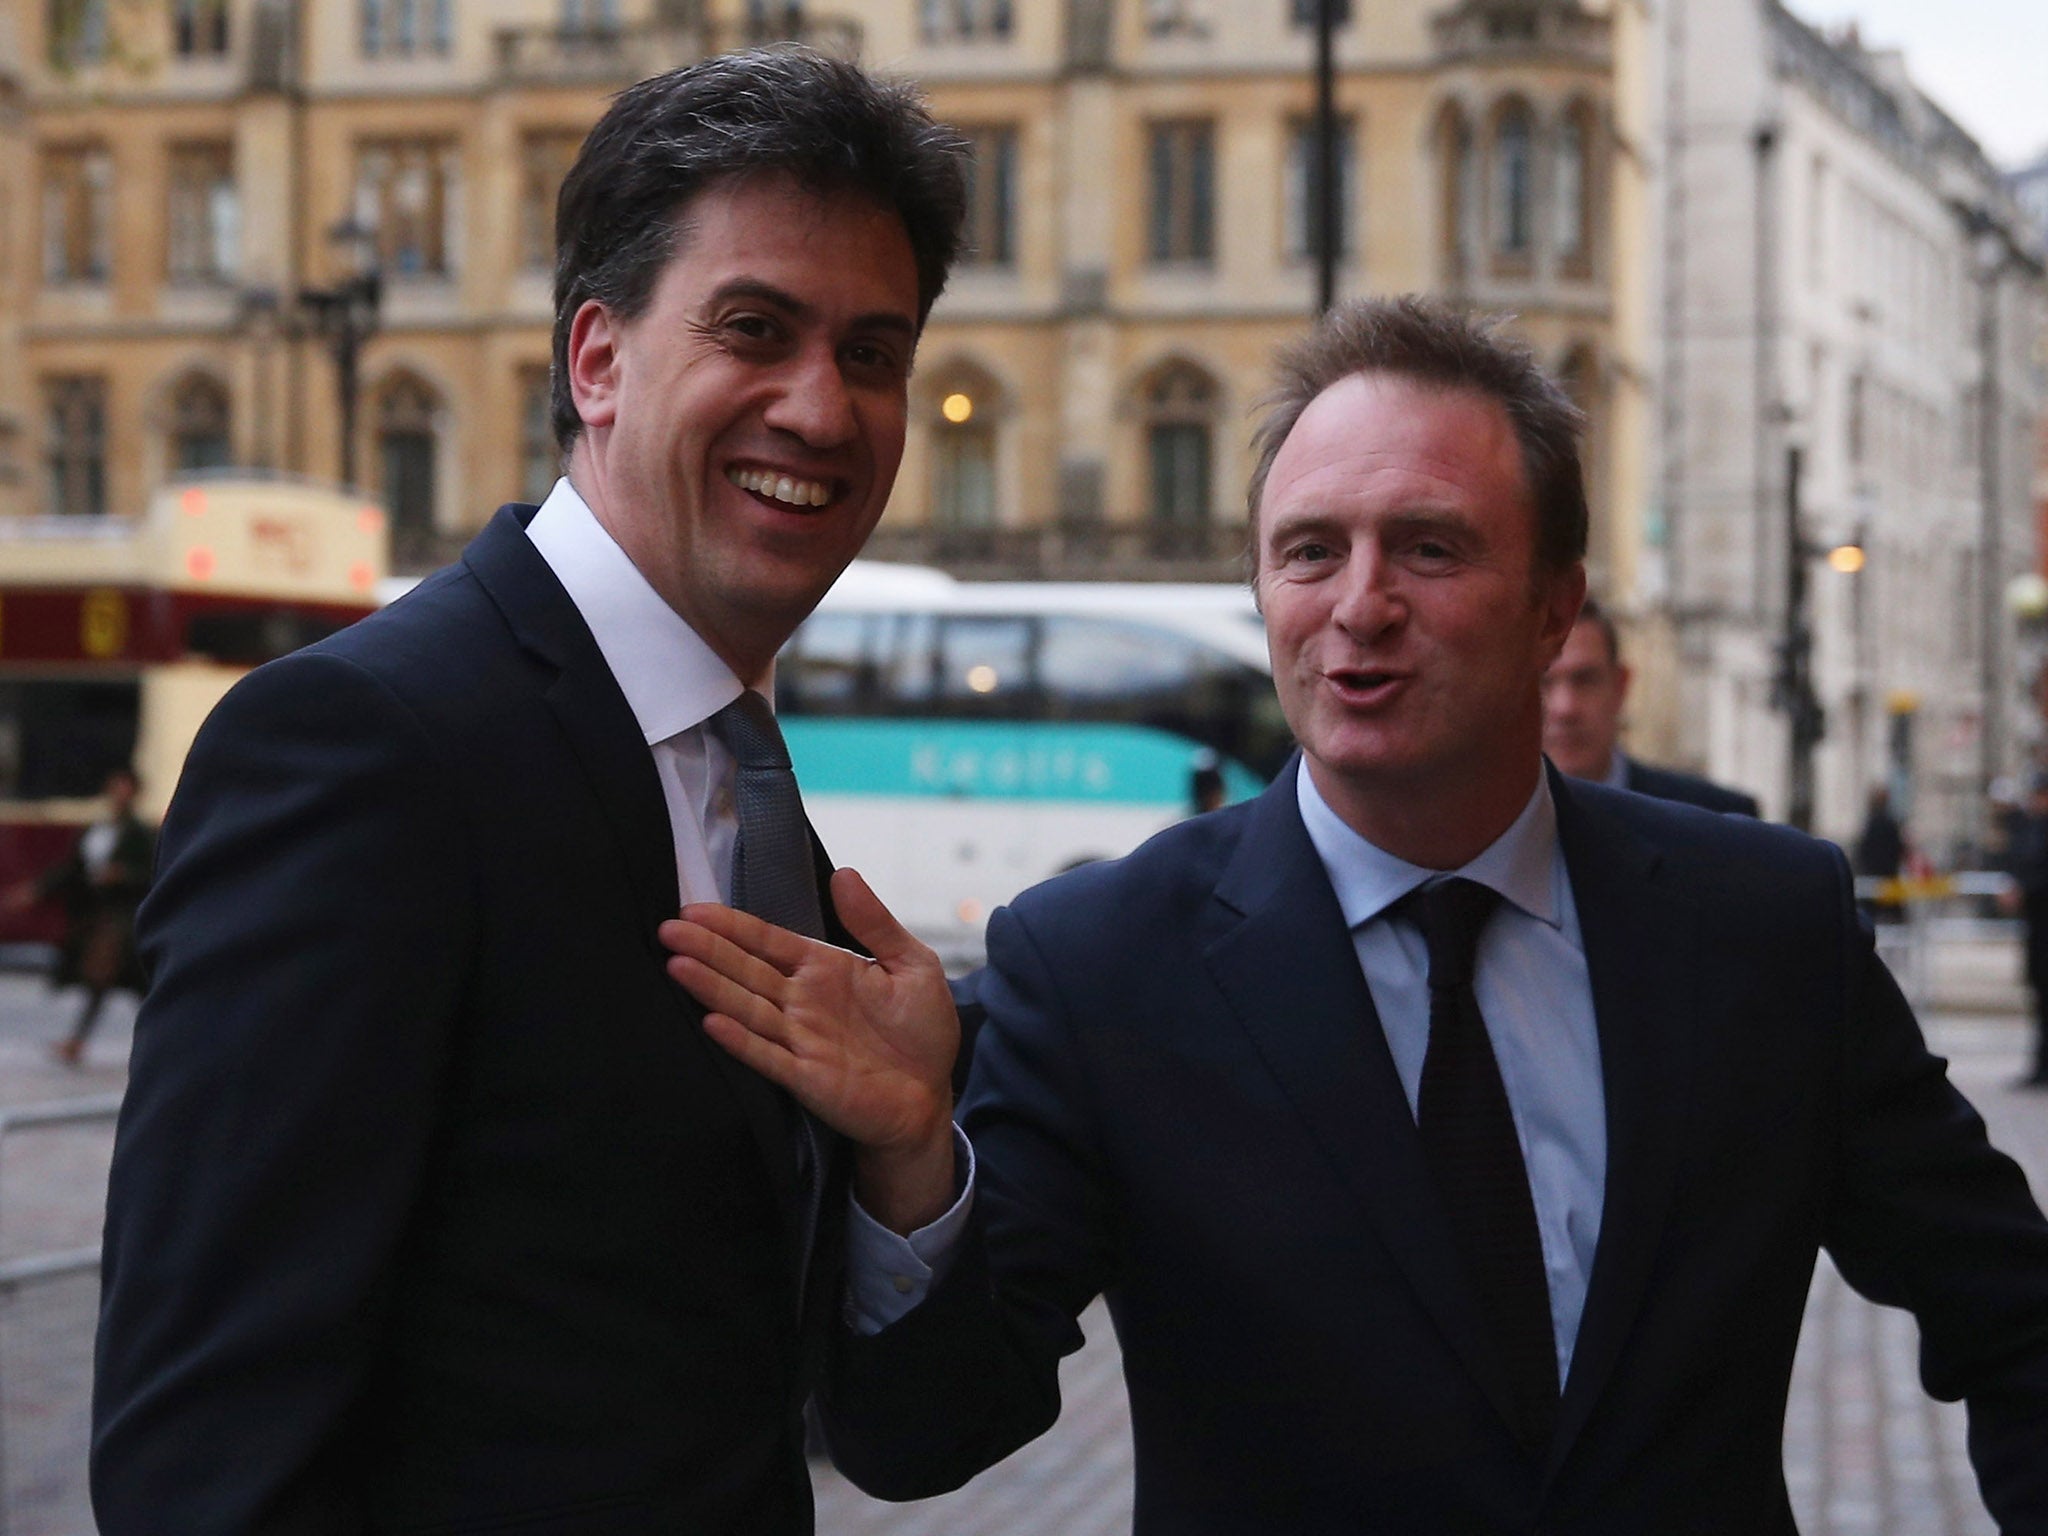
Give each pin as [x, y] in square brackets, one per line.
[183, 173]
[1849, 311]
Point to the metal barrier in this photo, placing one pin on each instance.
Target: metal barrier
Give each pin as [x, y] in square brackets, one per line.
[49, 1307]
[1920, 918]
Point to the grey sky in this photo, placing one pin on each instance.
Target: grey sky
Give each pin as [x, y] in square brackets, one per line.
[1984, 61]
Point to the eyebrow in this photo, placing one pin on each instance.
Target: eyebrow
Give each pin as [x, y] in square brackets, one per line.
[767, 293]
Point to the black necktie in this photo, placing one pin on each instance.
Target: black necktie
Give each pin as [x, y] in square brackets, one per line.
[1468, 1139]
[774, 878]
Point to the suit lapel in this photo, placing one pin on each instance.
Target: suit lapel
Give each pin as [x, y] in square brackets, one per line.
[1641, 955]
[1287, 967]
[601, 729]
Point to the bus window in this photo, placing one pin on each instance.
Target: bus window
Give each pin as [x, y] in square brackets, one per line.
[827, 670]
[1094, 659]
[903, 663]
[60, 737]
[985, 665]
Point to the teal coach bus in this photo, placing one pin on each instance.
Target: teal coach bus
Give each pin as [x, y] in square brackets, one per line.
[960, 741]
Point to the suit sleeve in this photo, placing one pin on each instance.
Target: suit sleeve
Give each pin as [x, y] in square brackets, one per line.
[1928, 1215]
[973, 1373]
[306, 940]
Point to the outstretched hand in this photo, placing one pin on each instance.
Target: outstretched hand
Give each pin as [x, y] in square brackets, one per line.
[865, 1045]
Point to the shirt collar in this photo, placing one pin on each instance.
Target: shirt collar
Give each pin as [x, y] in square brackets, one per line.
[1617, 770]
[1521, 864]
[670, 677]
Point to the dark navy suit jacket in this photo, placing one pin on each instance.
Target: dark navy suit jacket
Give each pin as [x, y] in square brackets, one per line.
[1182, 1098]
[433, 1208]
[1688, 789]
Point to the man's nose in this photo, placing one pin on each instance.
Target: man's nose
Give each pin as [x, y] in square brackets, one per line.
[1368, 602]
[815, 404]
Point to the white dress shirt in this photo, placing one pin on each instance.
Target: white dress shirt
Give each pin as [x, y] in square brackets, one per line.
[1531, 981]
[675, 683]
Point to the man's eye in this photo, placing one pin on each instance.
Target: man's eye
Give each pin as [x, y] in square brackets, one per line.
[1311, 553]
[752, 327]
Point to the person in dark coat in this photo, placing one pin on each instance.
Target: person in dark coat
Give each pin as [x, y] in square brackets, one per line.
[100, 883]
[1584, 693]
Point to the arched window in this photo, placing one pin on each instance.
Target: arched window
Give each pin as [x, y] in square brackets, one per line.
[1572, 191]
[1180, 413]
[407, 434]
[966, 406]
[1454, 152]
[199, 425]
[1514, 185]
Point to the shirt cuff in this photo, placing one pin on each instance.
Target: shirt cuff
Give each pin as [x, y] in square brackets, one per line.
[888, 1274]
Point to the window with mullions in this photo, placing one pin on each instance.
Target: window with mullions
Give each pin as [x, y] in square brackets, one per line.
[205, 214]
[404, 28]
[405, 191]
[1304, 166]
[545, 157]
[199, 425]
[1514, 184]
[961, 21]
[77, 32]
[1182, 191]
[76, 411]
[199, 29]
[78, 214]
[988, 238]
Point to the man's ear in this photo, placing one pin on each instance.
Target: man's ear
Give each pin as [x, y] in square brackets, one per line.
[594, 364]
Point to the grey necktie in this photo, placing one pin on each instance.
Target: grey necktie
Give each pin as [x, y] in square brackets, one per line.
[774, 878]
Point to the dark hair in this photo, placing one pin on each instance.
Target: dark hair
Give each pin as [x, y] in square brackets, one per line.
[1428, 342]
[830, 124]
[1590, 612]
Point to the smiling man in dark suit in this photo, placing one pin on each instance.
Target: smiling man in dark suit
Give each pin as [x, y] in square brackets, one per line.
[1452, 1140]
[433, 1207]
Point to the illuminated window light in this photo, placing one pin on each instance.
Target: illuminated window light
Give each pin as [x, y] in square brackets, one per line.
[361, 577]
[371, 520]
[1846, 558]
[199, 563]
[957, 408]
[192, 502]
[982, 679]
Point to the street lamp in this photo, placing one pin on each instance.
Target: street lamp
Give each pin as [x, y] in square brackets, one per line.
[1792, 690]
[345, 316]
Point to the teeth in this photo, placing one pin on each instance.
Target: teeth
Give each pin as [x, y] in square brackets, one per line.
[783, 488]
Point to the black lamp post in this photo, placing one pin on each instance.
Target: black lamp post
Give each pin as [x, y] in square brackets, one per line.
[345, 316]
[1325, 187]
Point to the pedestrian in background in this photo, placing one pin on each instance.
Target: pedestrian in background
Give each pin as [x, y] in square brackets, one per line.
[1584, 694]
[1880, 853]
[100, 883]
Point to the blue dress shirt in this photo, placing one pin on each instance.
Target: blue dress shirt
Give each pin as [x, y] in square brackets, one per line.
[1530, 978]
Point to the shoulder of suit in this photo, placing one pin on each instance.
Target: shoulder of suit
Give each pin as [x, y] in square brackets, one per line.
[1172, 870]
[1689, 789]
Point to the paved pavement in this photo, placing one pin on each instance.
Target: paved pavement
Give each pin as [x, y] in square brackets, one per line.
[1867, 1454]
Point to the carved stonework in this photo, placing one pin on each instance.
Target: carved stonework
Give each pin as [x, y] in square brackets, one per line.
[1492, 29]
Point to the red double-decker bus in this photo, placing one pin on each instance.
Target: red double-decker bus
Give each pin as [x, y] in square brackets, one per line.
[118, 634]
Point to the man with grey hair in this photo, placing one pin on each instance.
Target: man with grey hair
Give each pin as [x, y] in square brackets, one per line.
[433, 1207]
[1452, 1140]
